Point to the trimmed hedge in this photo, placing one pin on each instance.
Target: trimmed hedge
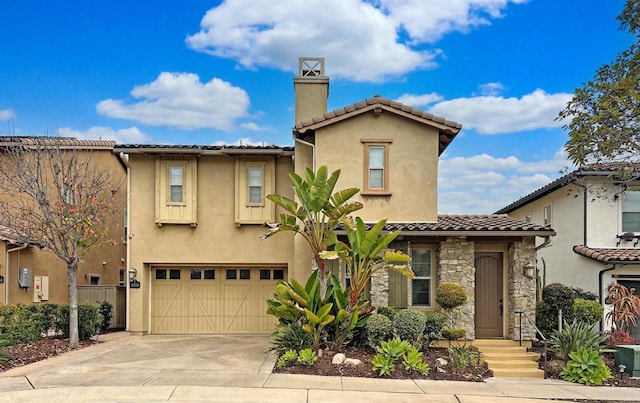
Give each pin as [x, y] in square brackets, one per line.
[434, 322]
[378, 329]
[408, 324]
[587, 311]
[450, 295]
[89, 321]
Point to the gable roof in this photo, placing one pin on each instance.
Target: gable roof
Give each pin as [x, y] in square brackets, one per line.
[609, 255]
[604, 169]
[470, 225]
[447, 129]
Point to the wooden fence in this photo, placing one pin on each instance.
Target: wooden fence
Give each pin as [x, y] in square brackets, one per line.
[95, 294]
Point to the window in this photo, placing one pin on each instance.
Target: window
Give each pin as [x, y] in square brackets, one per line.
[631, 211]
[421, 284]
[176, 181]
[546, 215]
[161, 274]
[527, 218]
[93, 279]
[209, 274]
[376, 176]
[121, 277]
[255, 179]
[196, 274]
[278, 274]
[174, 274]
[232, 274]
[265, 274]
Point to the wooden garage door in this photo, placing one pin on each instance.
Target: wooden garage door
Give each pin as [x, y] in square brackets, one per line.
[212, 300]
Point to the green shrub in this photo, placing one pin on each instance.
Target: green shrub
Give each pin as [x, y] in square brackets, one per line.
[559, 296]
[48, 312]
[546, 318]
[106, 310]
[287, 358]
[382, 364]
[89, 320]
[4, 356]
[587, 311]
[575, 336]
[412, 361]
[378, 329]
[22, 323]
[580, 293]
[393, 348]
[587, 367]
[434, 322]
[408, 325]
[387, 311]
[461, 357]
[307, 356]
[450, 295]
[291, 337]
[454, 333]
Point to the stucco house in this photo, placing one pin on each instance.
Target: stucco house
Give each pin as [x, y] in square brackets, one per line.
[597, 219]
[196, 215]
[31, 274]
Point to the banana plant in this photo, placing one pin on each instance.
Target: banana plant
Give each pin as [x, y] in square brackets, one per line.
[315, 214]
[365, 254]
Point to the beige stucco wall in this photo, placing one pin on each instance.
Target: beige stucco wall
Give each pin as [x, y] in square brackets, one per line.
[215, 240]
[45, 263]
[413, 164]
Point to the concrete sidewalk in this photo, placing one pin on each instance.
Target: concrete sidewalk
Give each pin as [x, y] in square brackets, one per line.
[238, 369]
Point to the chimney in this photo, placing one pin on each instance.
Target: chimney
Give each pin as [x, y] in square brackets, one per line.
[311, 88]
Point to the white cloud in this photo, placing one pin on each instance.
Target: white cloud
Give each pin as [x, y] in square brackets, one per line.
[420, 100]
[6, 114]
[365, 40]
[132, 135]
[491, 89]
[245, 141]
[181, 100]
[482, 184]
[254, 127]
[495, 114]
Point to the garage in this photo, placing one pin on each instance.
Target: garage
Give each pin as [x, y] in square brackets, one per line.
[212, 300]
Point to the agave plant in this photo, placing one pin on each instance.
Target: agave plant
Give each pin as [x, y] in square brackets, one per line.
[316, 213]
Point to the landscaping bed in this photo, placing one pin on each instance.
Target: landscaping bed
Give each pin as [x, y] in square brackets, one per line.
[27, 353]
[324, 367]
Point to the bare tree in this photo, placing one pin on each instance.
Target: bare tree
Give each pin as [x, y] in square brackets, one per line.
[54, 195]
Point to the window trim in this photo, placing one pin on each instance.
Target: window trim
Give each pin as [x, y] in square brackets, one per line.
[547, 215]
[262, 167]
[623, 211]
[368, 144]
[431, 277]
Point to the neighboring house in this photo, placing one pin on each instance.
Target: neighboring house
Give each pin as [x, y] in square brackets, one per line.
[597, 219]
[29, 273]
[196, 215]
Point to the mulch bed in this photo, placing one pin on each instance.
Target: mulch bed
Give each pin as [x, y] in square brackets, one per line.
[324, 367]
[23, 354]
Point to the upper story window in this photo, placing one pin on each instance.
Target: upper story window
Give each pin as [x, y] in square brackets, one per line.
[176, 183]
[376, 166]
[546, 215]
[256, 184]
[631, 211]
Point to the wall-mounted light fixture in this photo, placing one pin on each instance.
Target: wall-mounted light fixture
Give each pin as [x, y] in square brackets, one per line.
[529, 270]
[132, 274]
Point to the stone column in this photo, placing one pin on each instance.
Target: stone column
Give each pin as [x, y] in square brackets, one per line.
[456, 265]
[522, 289]
[380, 288]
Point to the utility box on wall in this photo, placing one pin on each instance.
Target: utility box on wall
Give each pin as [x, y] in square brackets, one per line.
[629, 356]
[25, 277]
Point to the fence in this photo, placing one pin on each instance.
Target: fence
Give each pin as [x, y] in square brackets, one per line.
[95, 294]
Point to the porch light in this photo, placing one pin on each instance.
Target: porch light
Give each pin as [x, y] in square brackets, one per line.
[529, 270]
[132, 274]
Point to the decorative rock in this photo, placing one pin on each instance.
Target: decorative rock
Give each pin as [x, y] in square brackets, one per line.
[352, 361]
[441, 370]
[338, 359]
[441, 362]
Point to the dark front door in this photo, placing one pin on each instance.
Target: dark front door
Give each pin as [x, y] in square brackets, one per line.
[489, 302]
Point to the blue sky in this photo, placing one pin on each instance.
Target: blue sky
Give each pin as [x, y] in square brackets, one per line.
[210, 72]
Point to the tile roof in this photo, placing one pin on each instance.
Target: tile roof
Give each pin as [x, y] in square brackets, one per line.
[62, 142]
[486, 225]
[201, 149]
[602, 169]
[448, 129]
[609, 255]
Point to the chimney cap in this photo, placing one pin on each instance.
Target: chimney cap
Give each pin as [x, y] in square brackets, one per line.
[311, 66]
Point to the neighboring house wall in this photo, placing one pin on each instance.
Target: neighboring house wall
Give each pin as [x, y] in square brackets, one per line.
[43, 262]
[215, 240]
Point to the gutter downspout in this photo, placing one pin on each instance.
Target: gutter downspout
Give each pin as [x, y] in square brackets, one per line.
[6, 279]
[313, 149]
[600, 274]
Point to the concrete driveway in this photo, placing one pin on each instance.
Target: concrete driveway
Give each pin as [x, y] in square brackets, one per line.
[156, 360]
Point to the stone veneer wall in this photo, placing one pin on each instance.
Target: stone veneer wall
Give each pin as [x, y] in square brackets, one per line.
[456, 265]
[522, 290]
[380, 288]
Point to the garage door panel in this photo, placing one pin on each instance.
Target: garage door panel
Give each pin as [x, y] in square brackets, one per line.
[223, 301]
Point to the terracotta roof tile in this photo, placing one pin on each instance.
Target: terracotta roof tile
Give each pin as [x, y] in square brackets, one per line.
[609, 255]
[500, 224]
[198, 148]
[63, 142]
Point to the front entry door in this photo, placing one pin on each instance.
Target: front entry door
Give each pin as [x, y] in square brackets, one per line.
[489, 298]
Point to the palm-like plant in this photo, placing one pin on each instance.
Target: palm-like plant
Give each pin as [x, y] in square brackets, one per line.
[365, 254]
[315, 214]
[626, 306]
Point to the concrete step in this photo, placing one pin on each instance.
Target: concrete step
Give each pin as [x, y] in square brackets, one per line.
[500, 342]
[527, 356]
[502, 349]
[518, 373]
[511, 364]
